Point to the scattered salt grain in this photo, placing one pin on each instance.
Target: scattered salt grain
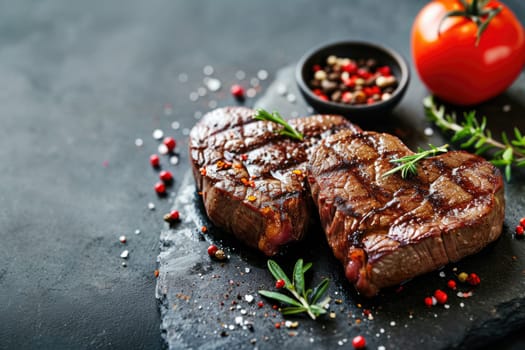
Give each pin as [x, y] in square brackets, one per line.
[151, 206]
[392, 323]
[163, 149]
[291, 98]
[194, 96]
[281, 89]
[183, 77]
[506, 108]
[124, 254]
[185, 131]
[240, 75]
[174, 160]
[254, 82]
[446, 306]
[137, 232]
[122, 239]
[139, 142]
[262, 74]
[202, 91]
[247, 270]
[442, 274]
[249, 298]
[208, 70]
[250, 93]
[213, 84]
[158, 134]
[175, 125]
[429, 131]
[212, 104]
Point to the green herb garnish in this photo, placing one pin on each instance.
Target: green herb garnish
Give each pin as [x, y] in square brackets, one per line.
[306, 300]
[408, 163]
[275, 117]
[475, 135]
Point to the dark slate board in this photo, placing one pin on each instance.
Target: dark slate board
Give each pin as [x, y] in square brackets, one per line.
[203, 303]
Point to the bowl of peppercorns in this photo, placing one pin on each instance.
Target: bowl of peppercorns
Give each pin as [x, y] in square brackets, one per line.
[352, 78]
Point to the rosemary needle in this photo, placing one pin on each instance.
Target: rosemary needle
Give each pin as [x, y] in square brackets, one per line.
[275, 117]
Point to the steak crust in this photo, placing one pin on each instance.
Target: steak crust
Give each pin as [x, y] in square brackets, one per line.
[252, 179]
[386, 229]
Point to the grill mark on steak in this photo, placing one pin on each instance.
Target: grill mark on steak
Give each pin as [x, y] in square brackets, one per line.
[387, 229]
[257, 197]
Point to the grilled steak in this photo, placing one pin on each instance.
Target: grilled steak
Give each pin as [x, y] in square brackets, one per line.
[386, 230]
[252, 179]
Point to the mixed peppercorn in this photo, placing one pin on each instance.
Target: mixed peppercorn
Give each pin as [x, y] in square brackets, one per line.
[354, 82]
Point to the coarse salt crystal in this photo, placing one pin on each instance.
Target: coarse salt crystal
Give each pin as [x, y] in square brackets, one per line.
[124, 254]
[249, 298]
[158, 134]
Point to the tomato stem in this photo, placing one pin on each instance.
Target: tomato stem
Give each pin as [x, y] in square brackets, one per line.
[476, 12]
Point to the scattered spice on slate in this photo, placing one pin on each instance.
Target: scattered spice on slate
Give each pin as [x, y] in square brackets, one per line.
[166, 176]
[279, 283]
[473, 279]
[429, 302]
[519, 231]
[352, 81]
[260, 304]
[277, 325]
[212, 249]
[154, 160]
[440, 296]
[170, 143]
[462, 277]
[160, 188]
[237, 91]
[172, 217]
[220, 255]
[204, 229]
[451, 284]
[522, 221]
[156, 273]
[359, 342]
[158, 134]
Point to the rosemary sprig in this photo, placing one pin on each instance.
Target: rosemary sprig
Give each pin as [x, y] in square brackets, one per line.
[275, 117]
[474, 134]
[304, 300]
[408, 163]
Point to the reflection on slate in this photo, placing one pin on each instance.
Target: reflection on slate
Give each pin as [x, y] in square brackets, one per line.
[204, 303]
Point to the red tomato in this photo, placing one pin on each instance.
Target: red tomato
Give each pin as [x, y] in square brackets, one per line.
[453, 66]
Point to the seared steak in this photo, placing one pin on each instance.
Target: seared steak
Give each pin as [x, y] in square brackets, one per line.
[252, 179]
[386, 229]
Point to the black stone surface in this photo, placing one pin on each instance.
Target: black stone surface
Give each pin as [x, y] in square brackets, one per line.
[80, 81]
[203, 300]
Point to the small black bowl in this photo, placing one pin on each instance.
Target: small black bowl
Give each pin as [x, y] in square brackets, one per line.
[355, 50]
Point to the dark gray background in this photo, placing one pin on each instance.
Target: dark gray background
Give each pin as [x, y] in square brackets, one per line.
[79, 82]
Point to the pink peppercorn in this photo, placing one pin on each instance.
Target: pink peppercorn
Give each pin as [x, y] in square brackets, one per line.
[154, 160]
[237, 91]
[170, 143]
[473, 279]
[359, 342]
[440, 296]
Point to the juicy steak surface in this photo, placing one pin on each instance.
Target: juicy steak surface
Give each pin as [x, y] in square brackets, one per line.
[386, 229]
[252, 179]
